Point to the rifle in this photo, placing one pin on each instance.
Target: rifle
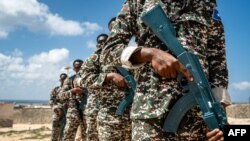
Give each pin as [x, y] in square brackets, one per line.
[130, 91]
[62, 122]
[198, 91]
[84, 99]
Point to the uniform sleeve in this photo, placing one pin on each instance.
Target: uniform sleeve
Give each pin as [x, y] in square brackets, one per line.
[119, 37]
[218, 72]
[65, 93]
[52, 97]
[126, 55]
[91, 74]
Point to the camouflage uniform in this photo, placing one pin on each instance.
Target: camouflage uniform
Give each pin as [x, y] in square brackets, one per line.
[155, 95]
[74, 116]
[110, 126]
[91, 111]
[53, 96]
[56, 119]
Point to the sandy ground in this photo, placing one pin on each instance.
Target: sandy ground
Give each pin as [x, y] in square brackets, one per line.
[42, 132]
[239, 121]
[26, 132]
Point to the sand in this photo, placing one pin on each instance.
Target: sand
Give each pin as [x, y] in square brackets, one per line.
[26, 132]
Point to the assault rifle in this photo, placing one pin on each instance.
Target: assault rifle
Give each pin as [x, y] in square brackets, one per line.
[130, 91]
[198, 91]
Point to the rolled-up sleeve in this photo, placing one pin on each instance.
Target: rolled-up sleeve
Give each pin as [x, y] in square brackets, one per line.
[221, 95]
[126, 55]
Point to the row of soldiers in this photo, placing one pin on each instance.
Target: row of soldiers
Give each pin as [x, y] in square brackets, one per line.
[67, 101]
[198, 28]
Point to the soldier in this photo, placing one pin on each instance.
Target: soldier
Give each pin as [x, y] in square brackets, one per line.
[58, 112]
[108, 82]
[157, 68]
[73, 94]
[216, 42]
[92, 106]
[111, 23]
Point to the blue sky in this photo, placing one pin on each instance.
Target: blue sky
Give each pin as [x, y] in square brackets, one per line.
[39, 37]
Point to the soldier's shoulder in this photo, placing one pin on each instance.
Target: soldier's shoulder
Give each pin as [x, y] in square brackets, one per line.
[56, 88]
[92, 58]
[67, 81]
[53, 90]
[72, 77]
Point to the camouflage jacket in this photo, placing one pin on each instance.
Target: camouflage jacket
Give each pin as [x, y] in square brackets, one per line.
[154, 93]
[94, 74]
[53, 96]
[65, 94]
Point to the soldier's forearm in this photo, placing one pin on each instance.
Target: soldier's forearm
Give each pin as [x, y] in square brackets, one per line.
[65, 95]
[142, 56]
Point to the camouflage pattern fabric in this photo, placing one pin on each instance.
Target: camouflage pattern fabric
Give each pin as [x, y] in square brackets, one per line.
[74, 116]
[218, 74]
[91, 111]
[156, 95]
[110, 126]
[92, 106]
[72, 122]
[151, 129]
[55, 135]
[56, 119]
[53, 96]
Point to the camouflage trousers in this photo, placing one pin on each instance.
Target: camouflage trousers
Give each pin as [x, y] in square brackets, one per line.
[112, 127]
[56, 127]
[73, 120]
[91, 111]
[192, 128]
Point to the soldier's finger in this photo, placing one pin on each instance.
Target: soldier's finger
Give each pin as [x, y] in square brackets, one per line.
[163, 72]
[217, 137]
[185, 72]
[126, 84]
[173, 74]
[212, 135]
[123, 84]
[167, 74]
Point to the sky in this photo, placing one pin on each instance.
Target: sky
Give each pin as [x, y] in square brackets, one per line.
[38, 38]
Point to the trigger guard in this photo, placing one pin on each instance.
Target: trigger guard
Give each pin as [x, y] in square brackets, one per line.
[183, 82]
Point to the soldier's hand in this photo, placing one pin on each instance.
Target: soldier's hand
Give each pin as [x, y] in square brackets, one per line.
[60, 113]
[215, 135]
[118, 79]
[77, 90]
[168, 66]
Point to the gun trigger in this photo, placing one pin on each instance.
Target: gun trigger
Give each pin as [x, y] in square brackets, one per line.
[185, 90]
[182, 80]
